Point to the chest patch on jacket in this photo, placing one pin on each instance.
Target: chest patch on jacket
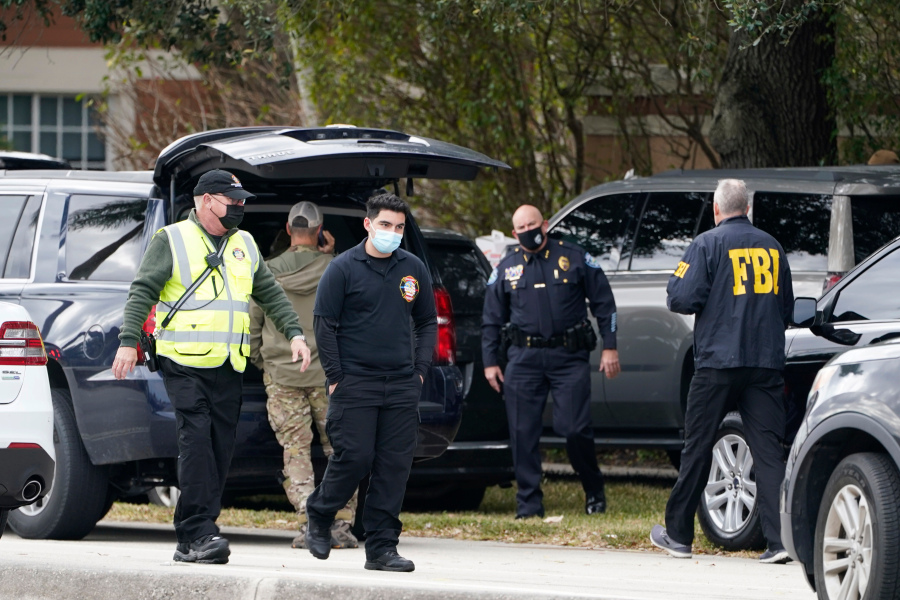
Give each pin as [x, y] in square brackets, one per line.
[238, 253]
[409, 288]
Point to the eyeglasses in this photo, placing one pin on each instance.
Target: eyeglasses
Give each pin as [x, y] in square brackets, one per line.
[230, 201]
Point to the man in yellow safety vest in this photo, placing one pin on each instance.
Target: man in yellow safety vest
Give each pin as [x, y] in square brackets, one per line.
[201, 274]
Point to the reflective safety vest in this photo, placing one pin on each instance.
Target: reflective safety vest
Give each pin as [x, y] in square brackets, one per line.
[214, 322]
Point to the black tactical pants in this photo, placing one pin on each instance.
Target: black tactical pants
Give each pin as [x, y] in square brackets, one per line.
[372, 423]
[207, 405]
[529, 376]
[758, 394]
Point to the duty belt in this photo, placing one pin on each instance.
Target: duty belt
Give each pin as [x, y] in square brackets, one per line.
[536, 341]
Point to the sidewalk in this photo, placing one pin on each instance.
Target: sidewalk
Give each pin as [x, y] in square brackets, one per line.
[133, 561]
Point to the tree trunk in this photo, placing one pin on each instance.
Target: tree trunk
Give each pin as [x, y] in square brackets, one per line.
[772, 107]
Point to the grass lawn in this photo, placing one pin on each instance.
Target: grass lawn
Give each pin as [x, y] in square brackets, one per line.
[633, 509]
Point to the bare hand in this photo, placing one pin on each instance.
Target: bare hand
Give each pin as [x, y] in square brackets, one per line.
[328, 246]
[494, 377]
[123, 364]
[298, 349]
[331, 388]
[609, 363]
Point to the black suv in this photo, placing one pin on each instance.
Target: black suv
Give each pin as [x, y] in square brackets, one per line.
[840, 517]
[480, 455]
[74, 240]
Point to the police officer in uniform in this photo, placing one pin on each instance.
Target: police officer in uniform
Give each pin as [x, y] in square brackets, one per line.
[736, 280]
[540, 291]
[203, 349]
[376, 327]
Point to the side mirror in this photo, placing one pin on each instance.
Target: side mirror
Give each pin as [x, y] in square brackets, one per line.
[844, 337]
[804, 312]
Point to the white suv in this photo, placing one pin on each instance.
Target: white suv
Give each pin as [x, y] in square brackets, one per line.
[27, 457]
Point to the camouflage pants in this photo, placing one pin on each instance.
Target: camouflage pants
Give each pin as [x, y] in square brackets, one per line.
[292, 411]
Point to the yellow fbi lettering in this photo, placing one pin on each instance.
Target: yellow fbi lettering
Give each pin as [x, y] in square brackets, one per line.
[765, 269]
[681, 270]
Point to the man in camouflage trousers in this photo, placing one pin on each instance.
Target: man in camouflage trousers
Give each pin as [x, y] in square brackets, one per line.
[297, 400]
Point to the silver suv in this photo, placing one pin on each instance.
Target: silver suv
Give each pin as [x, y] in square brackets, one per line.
[827, 220]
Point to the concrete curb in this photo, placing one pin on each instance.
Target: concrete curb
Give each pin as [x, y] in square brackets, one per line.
[119, 561]
[614, 472]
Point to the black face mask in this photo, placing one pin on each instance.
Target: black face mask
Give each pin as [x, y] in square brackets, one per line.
[234, 214]
[531, 239]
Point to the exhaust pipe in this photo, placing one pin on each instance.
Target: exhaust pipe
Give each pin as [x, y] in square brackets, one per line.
[31, 490]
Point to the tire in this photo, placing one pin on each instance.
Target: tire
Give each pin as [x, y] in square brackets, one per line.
[166, 496]
[77, 498]
[728, 510]
[862, 558]
[4, 515]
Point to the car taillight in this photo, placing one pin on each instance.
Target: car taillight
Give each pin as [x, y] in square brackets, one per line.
[23, 446]
[445, 349]
[21, 344]
[831, 279]
[148, 327]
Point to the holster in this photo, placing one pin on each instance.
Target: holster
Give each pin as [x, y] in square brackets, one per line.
[148, 351]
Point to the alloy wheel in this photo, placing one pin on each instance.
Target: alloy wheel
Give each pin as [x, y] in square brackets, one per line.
[847, 545]
[730, 493]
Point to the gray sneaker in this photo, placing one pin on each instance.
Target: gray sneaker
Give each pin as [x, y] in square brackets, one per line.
[341, 536]
[661, 539]
[776, 556]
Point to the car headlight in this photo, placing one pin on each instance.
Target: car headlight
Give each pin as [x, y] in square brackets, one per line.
[821, 381]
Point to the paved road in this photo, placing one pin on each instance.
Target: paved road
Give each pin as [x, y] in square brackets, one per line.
[131, 560]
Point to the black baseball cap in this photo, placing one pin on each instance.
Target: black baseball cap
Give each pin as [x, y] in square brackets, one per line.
[222, 182]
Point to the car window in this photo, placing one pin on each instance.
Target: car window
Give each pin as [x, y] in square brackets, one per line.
[872, 296]
[668, 225]
[800, 222]
[600, 226]
[18, 265]
[10, 212]
[876, 221]
[103, 237]
[463, 272]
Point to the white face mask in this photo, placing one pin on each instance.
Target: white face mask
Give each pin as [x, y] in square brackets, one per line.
[386, 241]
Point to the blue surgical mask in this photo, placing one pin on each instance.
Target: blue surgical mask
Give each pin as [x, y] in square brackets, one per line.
[386, 241]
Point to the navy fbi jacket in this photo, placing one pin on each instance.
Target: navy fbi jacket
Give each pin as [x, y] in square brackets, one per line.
[362, 316]
[736, 280]
[543, 293]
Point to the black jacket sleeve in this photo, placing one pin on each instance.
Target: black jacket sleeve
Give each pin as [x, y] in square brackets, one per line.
[690, 284]
[326, 318]
[603, 304]
[326, 342]
[493, 317]
[424, 317]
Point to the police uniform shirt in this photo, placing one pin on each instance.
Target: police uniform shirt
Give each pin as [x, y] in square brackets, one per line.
[370, 303]
[735, 278]
[544, 293]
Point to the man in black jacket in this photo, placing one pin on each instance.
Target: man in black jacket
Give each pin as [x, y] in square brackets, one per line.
[365, 302]
[736, 280]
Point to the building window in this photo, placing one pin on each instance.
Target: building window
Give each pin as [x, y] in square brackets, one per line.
[60, 126]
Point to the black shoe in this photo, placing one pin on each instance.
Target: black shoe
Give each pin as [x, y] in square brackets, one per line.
[183, 553]
[539, 514]
[595, 503]
[318, 540]
[210, 550]
[391, 561]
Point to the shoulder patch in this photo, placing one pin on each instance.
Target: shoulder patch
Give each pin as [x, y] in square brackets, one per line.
[681, 270]
[493, 277]
[592, 261]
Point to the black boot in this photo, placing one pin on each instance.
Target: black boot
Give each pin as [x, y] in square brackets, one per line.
[318, 540]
